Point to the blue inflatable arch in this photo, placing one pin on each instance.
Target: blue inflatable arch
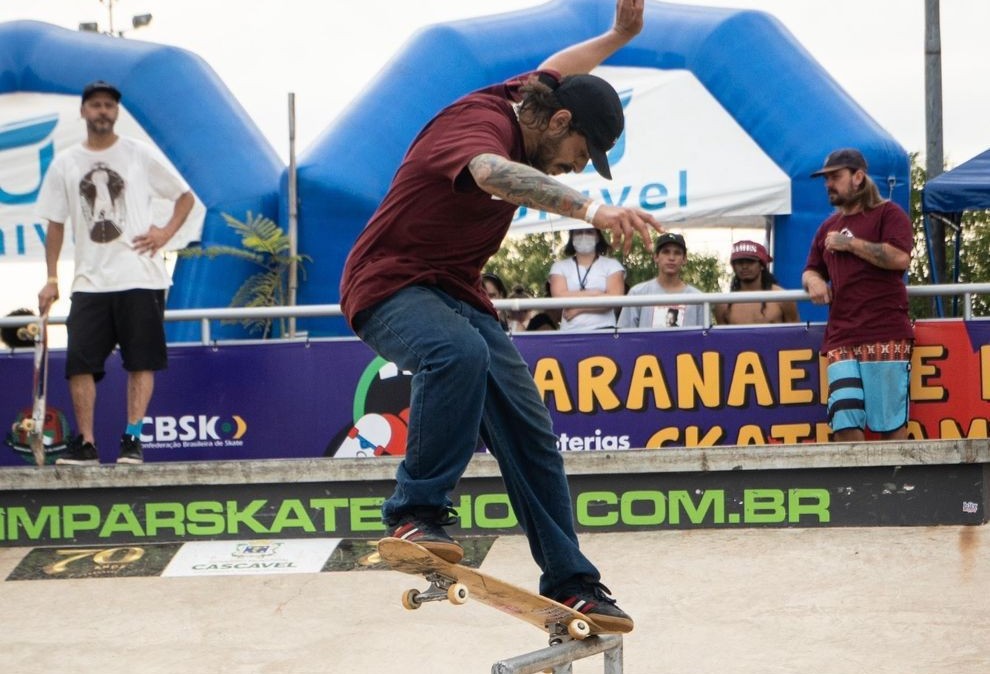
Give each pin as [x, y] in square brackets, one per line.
[747, 60]
[189, 113]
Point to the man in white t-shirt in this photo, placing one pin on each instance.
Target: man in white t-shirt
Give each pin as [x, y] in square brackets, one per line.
[105, 187]
[670, 254]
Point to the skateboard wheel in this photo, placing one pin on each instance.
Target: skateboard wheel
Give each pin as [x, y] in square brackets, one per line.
[29, 331]
[458, 593]
[578, 629]
[410, 600]
[27, 425]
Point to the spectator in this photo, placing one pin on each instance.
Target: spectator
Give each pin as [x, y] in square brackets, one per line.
[495, 290]
[105, 187]
[518, 319]
[856, 265]
[670, 255]
[587, 271]
[749, 262]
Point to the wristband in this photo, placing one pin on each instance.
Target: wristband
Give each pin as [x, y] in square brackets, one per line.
[589, 213]
[53, 279]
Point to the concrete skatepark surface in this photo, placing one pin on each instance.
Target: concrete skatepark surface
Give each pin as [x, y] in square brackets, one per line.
[878, 600]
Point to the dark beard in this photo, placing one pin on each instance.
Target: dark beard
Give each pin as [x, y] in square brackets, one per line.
[838, 200]
[543, 155]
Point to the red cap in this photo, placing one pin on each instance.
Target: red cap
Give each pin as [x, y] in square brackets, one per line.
[750, 250]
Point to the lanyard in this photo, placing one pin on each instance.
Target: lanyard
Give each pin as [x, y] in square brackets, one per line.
[583, 280]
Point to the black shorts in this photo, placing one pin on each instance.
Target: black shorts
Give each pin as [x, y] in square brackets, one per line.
[134, 319]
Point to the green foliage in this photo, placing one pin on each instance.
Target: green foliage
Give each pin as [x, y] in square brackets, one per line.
[525, 260]
[974, 252]
[265, 244]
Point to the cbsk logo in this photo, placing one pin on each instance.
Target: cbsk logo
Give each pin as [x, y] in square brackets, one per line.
[619, 149]
[199, 427]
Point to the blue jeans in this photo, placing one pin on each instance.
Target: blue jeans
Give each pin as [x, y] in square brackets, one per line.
[468, 378]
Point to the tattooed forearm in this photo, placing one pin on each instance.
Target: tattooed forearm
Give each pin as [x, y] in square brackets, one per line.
[883, 255]
[526, 186]
[875, 252]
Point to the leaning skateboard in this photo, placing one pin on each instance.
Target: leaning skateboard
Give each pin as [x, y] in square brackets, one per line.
[34, 426]
[456, 583]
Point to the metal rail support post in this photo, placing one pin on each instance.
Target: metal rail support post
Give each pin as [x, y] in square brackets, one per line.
[560, 656]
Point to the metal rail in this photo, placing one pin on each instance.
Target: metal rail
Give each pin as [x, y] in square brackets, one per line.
[560, 656]
[966, 290]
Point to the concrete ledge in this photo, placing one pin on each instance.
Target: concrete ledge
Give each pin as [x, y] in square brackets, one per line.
[676, 460]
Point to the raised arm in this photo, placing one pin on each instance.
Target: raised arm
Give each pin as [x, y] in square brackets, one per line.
[585, 56]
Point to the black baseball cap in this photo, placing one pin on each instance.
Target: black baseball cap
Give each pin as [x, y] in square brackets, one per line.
[669, 237]
[596, 113]
[100, 86]
[847, 157]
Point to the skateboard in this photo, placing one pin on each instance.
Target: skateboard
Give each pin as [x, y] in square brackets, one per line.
[34, 426]
[456, 583]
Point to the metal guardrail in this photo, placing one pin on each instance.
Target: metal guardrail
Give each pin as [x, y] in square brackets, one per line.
[965, 290]
[560, 656]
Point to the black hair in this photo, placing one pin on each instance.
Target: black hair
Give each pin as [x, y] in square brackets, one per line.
[496, 281]
[538, 102]
[603, 247]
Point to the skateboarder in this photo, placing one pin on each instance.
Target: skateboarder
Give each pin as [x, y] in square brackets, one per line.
[411, 289]
[105, 186]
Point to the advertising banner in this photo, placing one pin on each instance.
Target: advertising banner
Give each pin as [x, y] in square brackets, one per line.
[662, 165]
[606, 391]
[921, 495]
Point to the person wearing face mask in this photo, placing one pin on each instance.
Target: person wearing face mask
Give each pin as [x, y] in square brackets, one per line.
[587, 271]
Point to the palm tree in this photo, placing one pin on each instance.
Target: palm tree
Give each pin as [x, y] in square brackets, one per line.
[266, 245]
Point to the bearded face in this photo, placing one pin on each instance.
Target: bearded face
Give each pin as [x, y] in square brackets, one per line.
[559, 152]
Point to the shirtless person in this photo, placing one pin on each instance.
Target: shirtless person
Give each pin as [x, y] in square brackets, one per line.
[749, 265]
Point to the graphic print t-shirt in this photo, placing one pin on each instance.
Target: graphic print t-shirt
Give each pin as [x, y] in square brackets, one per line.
[107, 195]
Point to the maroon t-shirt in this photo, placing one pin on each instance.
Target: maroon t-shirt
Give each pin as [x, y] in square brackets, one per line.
[435, 226]
[869, 304]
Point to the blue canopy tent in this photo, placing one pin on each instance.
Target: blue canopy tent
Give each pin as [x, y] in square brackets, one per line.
[787, 103]
[964, 188]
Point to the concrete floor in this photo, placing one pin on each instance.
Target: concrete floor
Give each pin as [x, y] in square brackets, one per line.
[836, 600]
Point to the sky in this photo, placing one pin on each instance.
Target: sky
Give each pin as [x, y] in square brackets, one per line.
[326, 51]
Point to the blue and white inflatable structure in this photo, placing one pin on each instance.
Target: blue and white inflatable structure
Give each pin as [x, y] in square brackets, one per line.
[762, 84]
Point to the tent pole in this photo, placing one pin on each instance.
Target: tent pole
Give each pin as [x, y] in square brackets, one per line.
[293, 215]
[931, 262]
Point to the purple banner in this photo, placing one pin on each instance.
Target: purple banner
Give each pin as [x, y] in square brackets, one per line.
[605, 391]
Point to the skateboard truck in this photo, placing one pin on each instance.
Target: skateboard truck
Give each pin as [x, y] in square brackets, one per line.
[560, 632]
[441, 588]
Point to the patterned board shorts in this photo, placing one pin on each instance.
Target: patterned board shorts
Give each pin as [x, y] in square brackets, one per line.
[868, 385]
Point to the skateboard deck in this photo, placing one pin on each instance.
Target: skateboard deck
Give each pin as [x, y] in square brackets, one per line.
[456, 583]
[34, 426]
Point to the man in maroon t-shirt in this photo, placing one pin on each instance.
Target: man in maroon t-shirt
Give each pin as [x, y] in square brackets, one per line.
[863, 250]
[411, 290]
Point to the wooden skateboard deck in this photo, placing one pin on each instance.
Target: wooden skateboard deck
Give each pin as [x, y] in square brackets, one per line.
[456, 583]
[34, 426]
